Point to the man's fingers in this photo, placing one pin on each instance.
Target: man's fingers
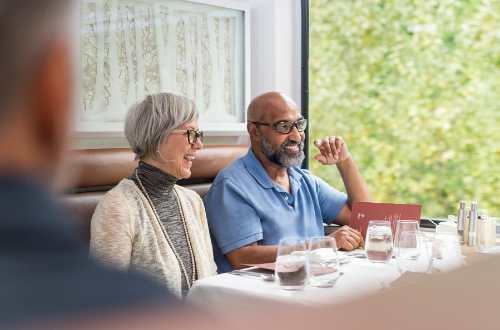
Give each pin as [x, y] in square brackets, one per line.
[338, 143]
[321, 158]
[324, 145]
[357, 235]
[349, 229]
[321, 144]
[332, 147]
[347, 238]
[346, 244]
[328, 149]
[352, 241]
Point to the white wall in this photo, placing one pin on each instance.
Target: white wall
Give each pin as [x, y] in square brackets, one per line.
[276, 47]
[275, 61]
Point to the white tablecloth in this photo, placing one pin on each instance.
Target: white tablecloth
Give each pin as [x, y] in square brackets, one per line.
[360, 277]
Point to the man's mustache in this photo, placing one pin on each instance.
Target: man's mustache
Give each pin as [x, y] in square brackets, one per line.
[289, 143]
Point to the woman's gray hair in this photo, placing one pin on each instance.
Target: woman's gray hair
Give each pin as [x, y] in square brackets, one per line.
[150, 121]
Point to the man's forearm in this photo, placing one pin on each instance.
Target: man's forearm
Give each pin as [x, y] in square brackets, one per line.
[252, 254]
[357, 190]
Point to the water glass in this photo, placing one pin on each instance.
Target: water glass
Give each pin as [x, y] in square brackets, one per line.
[323, 262]
[378, 245]
[446, 253]
[411, 249]
[406, 239]
[292, 264]
[494, 246]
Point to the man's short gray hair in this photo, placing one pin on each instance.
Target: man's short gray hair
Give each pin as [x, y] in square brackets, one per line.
[150, 121]
[26, 27]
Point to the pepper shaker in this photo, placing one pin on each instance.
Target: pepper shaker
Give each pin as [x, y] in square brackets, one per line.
[461, 221]
[473, 224]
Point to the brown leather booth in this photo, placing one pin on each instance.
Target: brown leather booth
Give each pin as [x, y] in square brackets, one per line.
[101, 169]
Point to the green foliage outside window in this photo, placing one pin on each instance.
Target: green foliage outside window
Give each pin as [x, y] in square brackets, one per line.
[414, 89]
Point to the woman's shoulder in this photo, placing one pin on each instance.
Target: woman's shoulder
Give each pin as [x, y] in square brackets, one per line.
[122, 199]
[124, 190]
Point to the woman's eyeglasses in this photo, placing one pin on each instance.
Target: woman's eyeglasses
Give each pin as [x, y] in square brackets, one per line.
[193, 136]
[285, 126]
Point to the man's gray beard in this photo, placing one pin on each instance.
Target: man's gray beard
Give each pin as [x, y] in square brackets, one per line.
[280, 157]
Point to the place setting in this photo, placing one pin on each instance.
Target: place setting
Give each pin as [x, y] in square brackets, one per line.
[300, 262]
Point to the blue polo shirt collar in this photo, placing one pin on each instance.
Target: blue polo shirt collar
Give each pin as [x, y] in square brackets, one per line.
[295, 179]
[255, 168]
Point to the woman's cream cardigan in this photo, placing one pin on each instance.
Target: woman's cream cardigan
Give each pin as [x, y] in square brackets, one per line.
[125, 233]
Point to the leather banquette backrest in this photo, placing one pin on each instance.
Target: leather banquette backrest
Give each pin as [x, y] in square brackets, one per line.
[101, 169]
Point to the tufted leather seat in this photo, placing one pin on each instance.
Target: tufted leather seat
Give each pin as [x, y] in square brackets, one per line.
[101, 169]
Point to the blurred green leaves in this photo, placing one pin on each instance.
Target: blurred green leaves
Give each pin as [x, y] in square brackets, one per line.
[414, 88]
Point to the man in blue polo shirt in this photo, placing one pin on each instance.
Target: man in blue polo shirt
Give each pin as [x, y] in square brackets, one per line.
[265, 195]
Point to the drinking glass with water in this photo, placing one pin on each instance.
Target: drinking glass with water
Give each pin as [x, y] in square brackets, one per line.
[378, 245]
[411, 249]
[323, 261]
[291, 263]
[406, 239]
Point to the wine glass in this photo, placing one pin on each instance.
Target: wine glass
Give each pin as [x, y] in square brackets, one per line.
[323, 262]
[291, 263]
[378, 244]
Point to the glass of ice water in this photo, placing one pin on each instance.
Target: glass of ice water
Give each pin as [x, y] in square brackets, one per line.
[323, 262]
[411, 248]
[406, 239]
[378, 245]
[291, 263]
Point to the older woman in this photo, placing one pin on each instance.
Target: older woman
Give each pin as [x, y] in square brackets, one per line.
[147, 222]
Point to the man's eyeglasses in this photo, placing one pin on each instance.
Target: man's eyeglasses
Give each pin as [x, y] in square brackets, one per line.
[285, 126]
[193, 135]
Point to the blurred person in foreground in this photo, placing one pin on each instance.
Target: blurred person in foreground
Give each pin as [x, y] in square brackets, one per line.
[265, 195]
[45, 272]
[147, 221]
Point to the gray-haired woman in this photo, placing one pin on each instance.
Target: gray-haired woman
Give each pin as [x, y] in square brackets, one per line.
[147, 222]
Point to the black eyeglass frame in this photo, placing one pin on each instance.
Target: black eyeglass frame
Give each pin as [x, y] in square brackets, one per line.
[275, 125]
[192, 135]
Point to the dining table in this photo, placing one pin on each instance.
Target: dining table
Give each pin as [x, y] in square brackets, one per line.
[358, 277]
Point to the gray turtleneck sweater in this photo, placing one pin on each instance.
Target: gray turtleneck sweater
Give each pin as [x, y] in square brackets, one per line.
[160, 188]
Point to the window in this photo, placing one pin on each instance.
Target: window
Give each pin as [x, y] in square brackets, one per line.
[414, 88]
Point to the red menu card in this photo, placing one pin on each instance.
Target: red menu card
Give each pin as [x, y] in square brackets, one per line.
[363, 212]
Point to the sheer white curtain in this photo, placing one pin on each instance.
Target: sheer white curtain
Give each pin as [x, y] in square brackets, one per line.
[133, 48]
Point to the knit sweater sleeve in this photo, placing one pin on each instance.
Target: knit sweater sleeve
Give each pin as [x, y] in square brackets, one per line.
[112, 230]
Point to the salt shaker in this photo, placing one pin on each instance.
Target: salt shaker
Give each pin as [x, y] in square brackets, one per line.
[461, 221]
[473, 225]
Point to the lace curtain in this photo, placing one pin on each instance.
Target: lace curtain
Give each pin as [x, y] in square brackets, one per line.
[132, 48]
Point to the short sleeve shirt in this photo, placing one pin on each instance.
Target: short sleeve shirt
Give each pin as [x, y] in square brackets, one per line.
[245, 206]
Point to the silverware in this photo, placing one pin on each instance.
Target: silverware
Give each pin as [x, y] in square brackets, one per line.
[264, 277]
[267, 277]
[357, 254]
